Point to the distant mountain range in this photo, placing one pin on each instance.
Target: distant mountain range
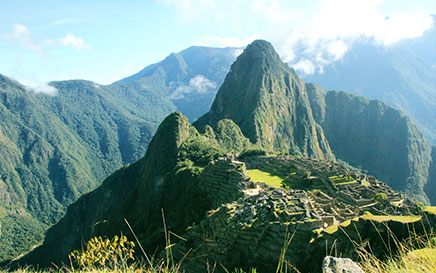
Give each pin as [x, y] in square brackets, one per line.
[262, 107]
[189, 79]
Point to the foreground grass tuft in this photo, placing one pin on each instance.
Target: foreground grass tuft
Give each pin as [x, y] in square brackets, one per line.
[418, 255]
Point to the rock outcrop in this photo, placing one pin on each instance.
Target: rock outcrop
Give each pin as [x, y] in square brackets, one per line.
[340, 265]
[375, 137]
[430, 187]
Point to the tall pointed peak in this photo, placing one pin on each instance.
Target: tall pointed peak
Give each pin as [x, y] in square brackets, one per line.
[267, 100]
[261, 48]
[261, 55]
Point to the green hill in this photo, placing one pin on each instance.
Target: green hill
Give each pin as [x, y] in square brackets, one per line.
[268, 101]
[430, 187]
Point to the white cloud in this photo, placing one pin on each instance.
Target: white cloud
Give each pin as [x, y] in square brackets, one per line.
[76, 42]
[23, 36]
[197, 85]
[306, 66]
[237, 52]
[329, 31]
[319, 31]
[68, 21]
[218, 41]
[20, 31]
[44, 88]
[337, 49]
[402, 26]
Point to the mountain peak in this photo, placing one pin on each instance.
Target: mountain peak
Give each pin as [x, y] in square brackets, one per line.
[261, 46]
[268, 101]
[261, 55]
[162, 152]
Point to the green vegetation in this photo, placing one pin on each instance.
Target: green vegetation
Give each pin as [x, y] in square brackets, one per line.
[251, 152]
[199, 150]
[56, 148]
[113, 254]
[258, 86]
[418, 255]
[356, 137]
[261, 176]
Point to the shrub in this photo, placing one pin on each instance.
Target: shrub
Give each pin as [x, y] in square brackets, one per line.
[252, 152]
[112, 254]
[199, 151]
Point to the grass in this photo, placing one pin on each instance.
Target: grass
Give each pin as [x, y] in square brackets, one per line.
[332, 229]
[260, 176]
[416, 256]
[430, 210]
[384, 218]
[346, 183]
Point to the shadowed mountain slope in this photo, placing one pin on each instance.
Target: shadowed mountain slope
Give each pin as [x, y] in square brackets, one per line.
[375, 137]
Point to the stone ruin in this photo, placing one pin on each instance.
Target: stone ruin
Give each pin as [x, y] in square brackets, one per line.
[255, 220]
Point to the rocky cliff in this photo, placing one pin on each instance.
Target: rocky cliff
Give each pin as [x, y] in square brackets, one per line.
[430, 187]
[375, 137]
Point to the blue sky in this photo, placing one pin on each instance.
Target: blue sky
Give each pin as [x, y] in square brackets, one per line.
[104, 41]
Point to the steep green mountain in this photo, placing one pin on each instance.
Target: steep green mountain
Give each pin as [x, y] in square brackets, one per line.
[164, 178]
[235, 212]
[401, 75]
[190, 77]
[430, 187]
[268, 101]
[373, 136]
[55, 148]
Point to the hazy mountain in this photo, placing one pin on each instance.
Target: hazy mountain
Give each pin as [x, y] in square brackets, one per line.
[176, 174]
[190, 78]
[401, 75]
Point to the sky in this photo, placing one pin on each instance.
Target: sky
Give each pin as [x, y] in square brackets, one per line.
[107, 40]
